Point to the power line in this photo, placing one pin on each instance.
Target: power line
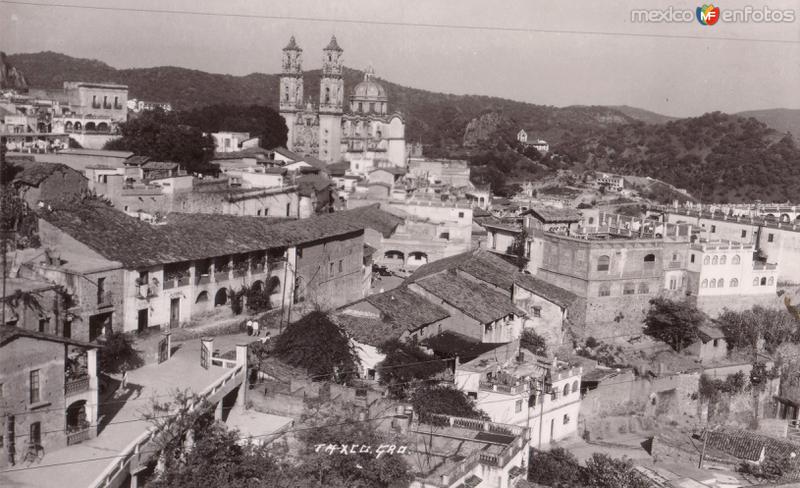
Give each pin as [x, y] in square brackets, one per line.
[387, 23]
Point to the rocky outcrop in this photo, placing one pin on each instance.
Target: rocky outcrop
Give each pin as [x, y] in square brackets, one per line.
[10, 77]
[483, 128]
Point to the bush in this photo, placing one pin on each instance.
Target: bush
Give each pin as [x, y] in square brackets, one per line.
[118, 353]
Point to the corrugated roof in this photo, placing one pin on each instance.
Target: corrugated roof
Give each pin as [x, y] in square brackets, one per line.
[473, 299]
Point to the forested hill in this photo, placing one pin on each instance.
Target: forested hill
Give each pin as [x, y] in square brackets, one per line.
[716, 157]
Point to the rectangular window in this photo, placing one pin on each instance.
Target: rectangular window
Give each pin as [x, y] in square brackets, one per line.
[672, 284]
[537, 311]
[518, 406]
[43, 322]
[770, 237]
[713, 229]
[692, 259]
[744, 233]
[473, 395]
[288, 209]
[628, 289]
[299, 252]
[460, 215]
[445, 236]
[101, 289]
[341, 266]
[716, 342]
[35, 396]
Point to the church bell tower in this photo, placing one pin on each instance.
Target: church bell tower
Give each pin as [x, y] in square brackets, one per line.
[331, 102]
[291, 89]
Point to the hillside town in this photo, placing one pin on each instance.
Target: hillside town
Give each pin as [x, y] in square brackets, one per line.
[317, 299]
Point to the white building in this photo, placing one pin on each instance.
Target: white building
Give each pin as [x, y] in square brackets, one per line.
[526, 138]
[516, 387]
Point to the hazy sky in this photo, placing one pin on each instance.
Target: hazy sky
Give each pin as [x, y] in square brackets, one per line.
[687, 69]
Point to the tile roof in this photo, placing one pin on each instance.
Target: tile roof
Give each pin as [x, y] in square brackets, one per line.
[554, 214]
[709, 332]
[9, 333]
[556, 294]
[289, 154]
[369, 330]
[481, 264]
[406, 308]
[338, 169]
[136, 161]
[33, 173]
[371, 217]
[160, 165]
[748, 445]
[473, 299]
[97, 152]
[184, 237]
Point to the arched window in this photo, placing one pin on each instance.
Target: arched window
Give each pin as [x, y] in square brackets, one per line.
[771, 281]
[764, 281]
[715, 260]
[566, 389]
[202, 297]
[644, 288]
[720, 283]
[736, 259]
[734, 283]
[704, 284]
[605, 290]
[649, 261]
[707, 260]
[628, 289]
[755, 281]
[713, 283]
[575, 386]
[603, 262]
[591, 220]
[723, 260]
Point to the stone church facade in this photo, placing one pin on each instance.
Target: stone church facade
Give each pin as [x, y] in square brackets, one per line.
[330, 130]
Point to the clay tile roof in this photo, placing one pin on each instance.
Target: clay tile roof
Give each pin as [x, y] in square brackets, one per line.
[333, 45]
[371, 217]
[407, 309]
[136, 161]
[483, 265]
[748, 445]
[372, 331]
[561, 297]
[33, 173]
[160, 165]
[473, 299]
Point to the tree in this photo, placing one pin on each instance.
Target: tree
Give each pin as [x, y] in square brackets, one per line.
[745, 329]
[556, 468]
[320, 346]
[533, 342]
[603, 471]
[330, 426]
[674, 322]
[405, 364]
[118, 353]
[160, 136]
[444, 400]
[259, 120]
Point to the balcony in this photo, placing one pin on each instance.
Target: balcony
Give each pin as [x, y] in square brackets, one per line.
[78, 436]
[105, 299]
[76, 386]
[239, 272]
[147, 291]
[503, 388]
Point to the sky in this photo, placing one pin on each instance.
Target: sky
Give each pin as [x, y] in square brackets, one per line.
[581, 52]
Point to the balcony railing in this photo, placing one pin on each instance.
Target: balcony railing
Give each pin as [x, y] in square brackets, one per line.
[73, 387]
[78, 436]
[147, 291]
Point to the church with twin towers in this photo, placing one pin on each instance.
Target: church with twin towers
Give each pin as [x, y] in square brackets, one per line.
[361, 130]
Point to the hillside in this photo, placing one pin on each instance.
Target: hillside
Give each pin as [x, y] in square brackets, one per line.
[10, 76]
[437, 120]
[643, 115]
[780, 119]
[716, 157]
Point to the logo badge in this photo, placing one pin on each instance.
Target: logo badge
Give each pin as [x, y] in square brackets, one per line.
[708, 14]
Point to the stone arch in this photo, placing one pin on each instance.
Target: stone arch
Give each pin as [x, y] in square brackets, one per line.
[704, 284]
[755, 281]
[734, 283]
[221, 297]
[77, 416]
[770, 217]
[78, 126]
[707, 260]
[723, 259]
[91, 126]
[771, 281]
[764, 281]
[566, 390]
[721, 283]
[736, 259]
[785, 218]
[102, 126]
[575, 386]
[393, 256]
[713, 283]
[68, 125]
[603, 263]
[202, 297]
[715, 260]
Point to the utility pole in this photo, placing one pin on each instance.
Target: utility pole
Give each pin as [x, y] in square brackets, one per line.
[3, 230]
[703, 452]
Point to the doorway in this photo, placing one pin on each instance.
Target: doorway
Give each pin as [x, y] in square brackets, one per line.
[141, 323]
[174, 313]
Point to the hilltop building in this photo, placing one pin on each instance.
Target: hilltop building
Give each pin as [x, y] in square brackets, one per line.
[364, 130]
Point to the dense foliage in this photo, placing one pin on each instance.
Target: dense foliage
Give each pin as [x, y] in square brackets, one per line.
[712, 389]
[445, 400]
[318, 345]
[119, 353]
[533, 342]
[558, 468]
[161, 137]
[259, 120]
[404, 365]
[674, 322]
[745, 329]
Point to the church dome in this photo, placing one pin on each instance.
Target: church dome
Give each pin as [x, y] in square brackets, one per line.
[369, 89]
